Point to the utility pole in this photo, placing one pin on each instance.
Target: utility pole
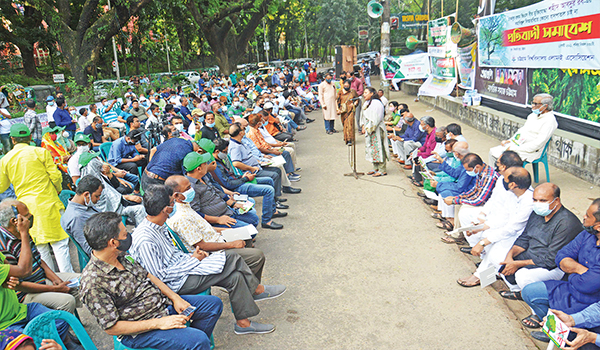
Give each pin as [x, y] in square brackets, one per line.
[167, 47]
[385, 43]
[305, 40]
[266, 42]
[114, 44]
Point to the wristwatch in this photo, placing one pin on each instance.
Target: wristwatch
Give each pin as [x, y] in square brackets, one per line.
[482, 243]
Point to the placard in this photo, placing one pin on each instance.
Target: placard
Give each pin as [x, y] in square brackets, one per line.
[466, 66]
[507, 84]
[406, 67]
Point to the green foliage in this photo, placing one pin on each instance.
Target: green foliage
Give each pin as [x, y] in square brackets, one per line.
[23, 80]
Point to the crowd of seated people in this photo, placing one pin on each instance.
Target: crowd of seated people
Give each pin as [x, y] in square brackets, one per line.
[164, 166]
[546, 256]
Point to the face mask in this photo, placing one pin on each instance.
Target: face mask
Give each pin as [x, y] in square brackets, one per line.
[543, 209]
[98, 126]
[88, 203]
[201, 120]
[175, 133]
[236, 104]
[189, 195]
[590, 229]
[505, 185]
[210, 125]
[328, 81]
[125, 244]
[224, 109]
[450, 155]
[222, 155]
[247, 129]
[72, 112]
[173, 212]
[438, 140]
[421, 128]
[105, 103]
[179, 127]
[537, 111]
[241, 99]
[448, 137]
[81, 149]
[53, 137]
[205, 99]
[471, 173]
[348, 89]
[391, 108]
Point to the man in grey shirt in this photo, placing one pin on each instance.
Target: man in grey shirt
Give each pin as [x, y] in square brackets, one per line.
[550, 227]
[80, 208]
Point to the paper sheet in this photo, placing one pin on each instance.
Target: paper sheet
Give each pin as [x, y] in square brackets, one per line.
[431, 195]
[487, 276]
[243, 233]
[464, 229]
[277, 161]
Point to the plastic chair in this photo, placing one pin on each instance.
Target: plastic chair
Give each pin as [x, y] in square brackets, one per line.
[84, 258]
[542, 159]
[65, 196]
[105, 149]
[44, 327]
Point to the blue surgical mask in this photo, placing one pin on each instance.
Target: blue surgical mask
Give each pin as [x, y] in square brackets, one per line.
[471, 173]
[328, 81]
[543, 209]
[241, 99]
[421, 128]
[189, 195]
[173, 212]
[211, 125]
[247, 129]
[536, 111]
[201, 119]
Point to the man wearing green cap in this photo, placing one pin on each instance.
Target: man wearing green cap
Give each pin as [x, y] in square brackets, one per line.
[37, 182]
[83, 145]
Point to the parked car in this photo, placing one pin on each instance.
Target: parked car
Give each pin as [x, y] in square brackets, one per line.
[264, 72]
[192, 77]
[103, 87]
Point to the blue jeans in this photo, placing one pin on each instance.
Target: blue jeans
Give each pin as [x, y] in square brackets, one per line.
[194, 337]
[249, 218]
[329, 125]
[275, 175]
[289, 164]
[71, 134]
[300, 116]
[132, 179]
[36, 309]
[263, 188]
[536, 296]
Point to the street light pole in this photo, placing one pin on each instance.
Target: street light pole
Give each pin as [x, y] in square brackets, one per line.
[385, 43]
[114, 44]
[168, 59]
[266, 42]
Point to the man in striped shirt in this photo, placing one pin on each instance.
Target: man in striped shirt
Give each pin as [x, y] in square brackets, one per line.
[193, 273]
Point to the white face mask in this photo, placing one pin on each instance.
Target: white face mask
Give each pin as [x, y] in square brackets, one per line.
[179, 127]
[81, 149]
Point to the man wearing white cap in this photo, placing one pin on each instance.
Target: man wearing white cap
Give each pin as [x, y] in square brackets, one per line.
[50, 108]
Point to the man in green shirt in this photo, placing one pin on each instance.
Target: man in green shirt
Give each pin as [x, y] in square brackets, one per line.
[221, 123]
[236, 108]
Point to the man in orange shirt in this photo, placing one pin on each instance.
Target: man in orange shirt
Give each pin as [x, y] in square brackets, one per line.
[274, 127]
[255, 121]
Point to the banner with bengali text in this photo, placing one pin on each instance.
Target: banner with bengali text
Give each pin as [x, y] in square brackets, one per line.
[466, 66]
[406, 67]
[506, 84]
[548, 34]
[438, 39]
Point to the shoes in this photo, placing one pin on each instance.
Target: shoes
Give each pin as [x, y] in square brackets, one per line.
[271, 292]
[300, 128]
[273, 225]
[541, 336]
[334, 131]
[255, 328]
[293, 178]
[279, 214]
[289, 189]
[421, 194]
[408, 166]
[308, 120]
[430, 201]
[294, 174]
[298, 169]
[282, 206]
[466, 250]
[329, 132]
[280, 200]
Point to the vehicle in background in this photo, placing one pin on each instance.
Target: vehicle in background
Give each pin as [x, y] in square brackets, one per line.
[102, 88]
[39, 92]
[264, 72]
[192, 77]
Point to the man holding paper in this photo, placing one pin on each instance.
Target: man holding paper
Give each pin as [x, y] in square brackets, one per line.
[498, 234]
[194, 231]
[529, 141]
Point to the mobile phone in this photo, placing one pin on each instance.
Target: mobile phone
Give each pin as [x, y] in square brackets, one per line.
[240, 197]
[15, 211]
[190, 310]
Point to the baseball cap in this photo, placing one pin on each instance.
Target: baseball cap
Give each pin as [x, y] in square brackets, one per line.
[19, 130]
[81, 137]
[268, 105]
[193, 160]
[49, 98]
[54, 129]
[206, 145]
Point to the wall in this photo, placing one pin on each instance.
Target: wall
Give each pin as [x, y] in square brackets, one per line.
[568, 151]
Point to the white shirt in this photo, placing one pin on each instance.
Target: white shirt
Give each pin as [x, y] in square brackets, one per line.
[384, 101]
[533, 135]
[50, 111]
[83, 123]
[517, 213]
[5, 123]
[73, 164]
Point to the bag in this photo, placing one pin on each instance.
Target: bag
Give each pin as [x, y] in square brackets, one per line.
[343, 108]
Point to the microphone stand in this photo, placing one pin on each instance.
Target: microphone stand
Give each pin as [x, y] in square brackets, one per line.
[353, 145]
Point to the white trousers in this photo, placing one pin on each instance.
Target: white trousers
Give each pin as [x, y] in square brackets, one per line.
[404, 148]
[495, 153]
[292, 150]
[447, 210]
[61, 253]
[525, 276]
[495, 253]
[467, 215]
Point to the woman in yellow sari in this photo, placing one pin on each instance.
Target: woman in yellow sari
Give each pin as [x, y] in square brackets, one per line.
[59, 154]
[346, 110]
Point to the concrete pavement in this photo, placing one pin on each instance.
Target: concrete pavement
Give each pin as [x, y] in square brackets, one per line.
[364, 265]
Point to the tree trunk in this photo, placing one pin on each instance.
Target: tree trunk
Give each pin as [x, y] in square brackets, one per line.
[183, 43]
[28, 61]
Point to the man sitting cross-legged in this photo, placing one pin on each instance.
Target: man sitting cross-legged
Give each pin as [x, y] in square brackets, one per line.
[128, 301]
[195, 272]
[197, 232]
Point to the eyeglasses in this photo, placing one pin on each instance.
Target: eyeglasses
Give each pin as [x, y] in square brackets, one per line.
[536, 104]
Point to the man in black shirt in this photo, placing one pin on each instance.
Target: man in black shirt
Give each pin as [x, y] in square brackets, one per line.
[550, 227]
[96, 132]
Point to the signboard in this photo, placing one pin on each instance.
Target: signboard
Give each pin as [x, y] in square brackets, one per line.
[406, 67]
[443, 67]
[506, 84]
[466, 66]
[435, 86]
[412, 20]
[548, 34]
[438, 39]
[58, 78]
[363, 32]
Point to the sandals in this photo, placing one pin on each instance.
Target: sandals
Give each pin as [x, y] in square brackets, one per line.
[416, 183]
[532, 321]
[463, 283]
[507, 294]
[378, 174]
[437, 216]
[445, 225]
[371, 172]
[466, 250]
[452, 240]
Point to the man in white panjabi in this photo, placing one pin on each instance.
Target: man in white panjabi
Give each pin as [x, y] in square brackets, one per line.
[327, 98]
[376, 142]
[529, 141]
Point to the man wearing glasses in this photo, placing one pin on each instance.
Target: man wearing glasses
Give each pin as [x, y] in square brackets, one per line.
[529, 141]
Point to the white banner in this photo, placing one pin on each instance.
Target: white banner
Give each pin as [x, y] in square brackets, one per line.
[406, 67]
[435, 86]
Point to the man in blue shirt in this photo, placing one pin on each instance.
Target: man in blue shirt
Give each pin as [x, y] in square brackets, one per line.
[581, 260]
[124, 153]
[185, 112]
[63, 118]
[275, 78]
[167, 158]
[110, 113]
[412, 138]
